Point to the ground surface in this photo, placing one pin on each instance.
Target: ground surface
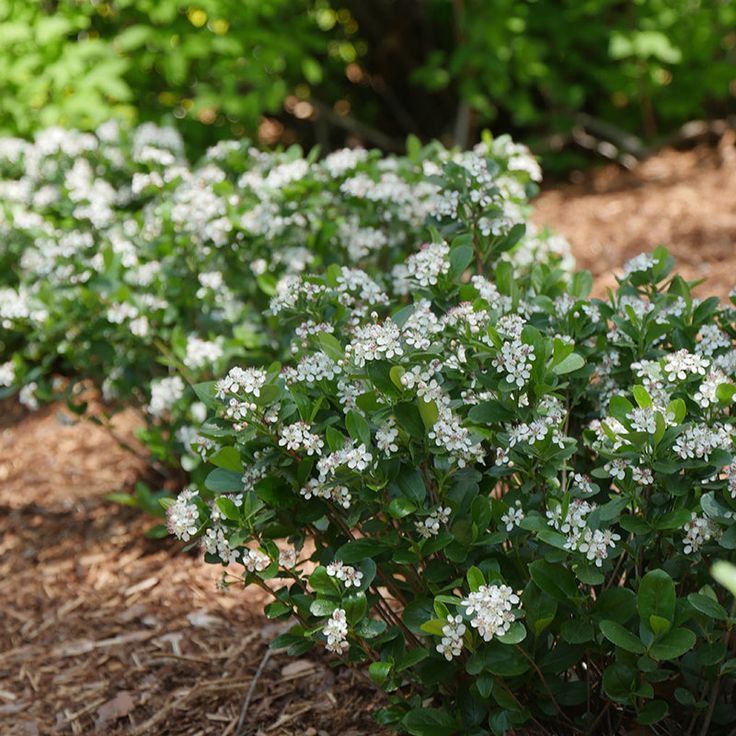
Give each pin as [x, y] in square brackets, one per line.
[102, 631]
[685, 200]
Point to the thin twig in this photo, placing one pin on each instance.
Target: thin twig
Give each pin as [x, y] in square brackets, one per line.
[251, 692]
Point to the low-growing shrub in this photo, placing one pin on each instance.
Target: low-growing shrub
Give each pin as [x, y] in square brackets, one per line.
[497, 494]
[125, 266]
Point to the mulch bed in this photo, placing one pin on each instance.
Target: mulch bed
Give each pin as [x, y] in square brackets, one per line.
[103, 631]
[685, 200]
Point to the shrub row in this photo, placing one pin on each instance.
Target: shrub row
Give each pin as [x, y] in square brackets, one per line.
[125, 266]
[499, 495]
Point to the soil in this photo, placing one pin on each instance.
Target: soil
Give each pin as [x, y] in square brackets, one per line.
[104, 631]
[684, 200]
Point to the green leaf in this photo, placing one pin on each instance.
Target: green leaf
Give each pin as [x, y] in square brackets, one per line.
[379, 672]
[475, 578]
[358, 427]
[656, 596]
[515, 635]
[430, 722]
[618, 682]
[429, 412]
[395, 374]
[460, 258]
[673, 644]
[224, 481]
[434, 626]
[227, 458]
[322, 607]
[621, 637]
[643, 399]
[677, 409]
[725, 574]
[330, 345]
[725, 392]
[555, 580]
[572, 362]
[401, 507]
[228, 508]
[206, 393]
[707, 606]
[652, 712]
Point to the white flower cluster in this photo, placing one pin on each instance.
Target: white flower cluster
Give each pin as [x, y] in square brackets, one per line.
[699, 531]
[451, 644]
[595, 544]
[298, 436]
[336, 632]
[202, 353]
[338, 494]
[431, 525]
[348, 575]
[431, 262]
[255, 561]
[513, 516]
[374, 342]
[638, 264]
[682, 365]
[182, 516]
[164, 394]
[356, 459]
[493, 606]
[515, 359]
[7, 373]
[215, 542]
[386, 437]
[699, 441]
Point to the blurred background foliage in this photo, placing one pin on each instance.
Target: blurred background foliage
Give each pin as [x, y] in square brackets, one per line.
[375, 71]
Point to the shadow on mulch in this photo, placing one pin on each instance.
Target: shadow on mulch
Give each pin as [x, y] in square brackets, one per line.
[103, 631]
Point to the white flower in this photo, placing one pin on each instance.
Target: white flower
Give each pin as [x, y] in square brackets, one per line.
[336, 632]
[215, 542]
[287, 558]
[7, 373]
[241, 381]
[683, 364]
[638, 264]
[202, 353]
[698, 531]
[451, 644]
[164, 394]
[183, 515]
[375, 342]
[595, 544]
[298, 436]
[426, 266]
[705, 396]
[493, 608]
[386, 436]
[515, 360]
[349, 576]
[27, 396]
[255, 560]
[643, 420]
[430, 526]
[699, 441]
[513, 517]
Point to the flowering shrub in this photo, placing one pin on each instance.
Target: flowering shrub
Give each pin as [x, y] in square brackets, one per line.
[124, 265]
[499, 495]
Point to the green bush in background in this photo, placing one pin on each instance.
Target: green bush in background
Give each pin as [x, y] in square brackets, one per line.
[326, 70]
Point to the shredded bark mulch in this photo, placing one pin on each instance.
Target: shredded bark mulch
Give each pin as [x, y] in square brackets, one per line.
[684, 200]
[103, 631]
